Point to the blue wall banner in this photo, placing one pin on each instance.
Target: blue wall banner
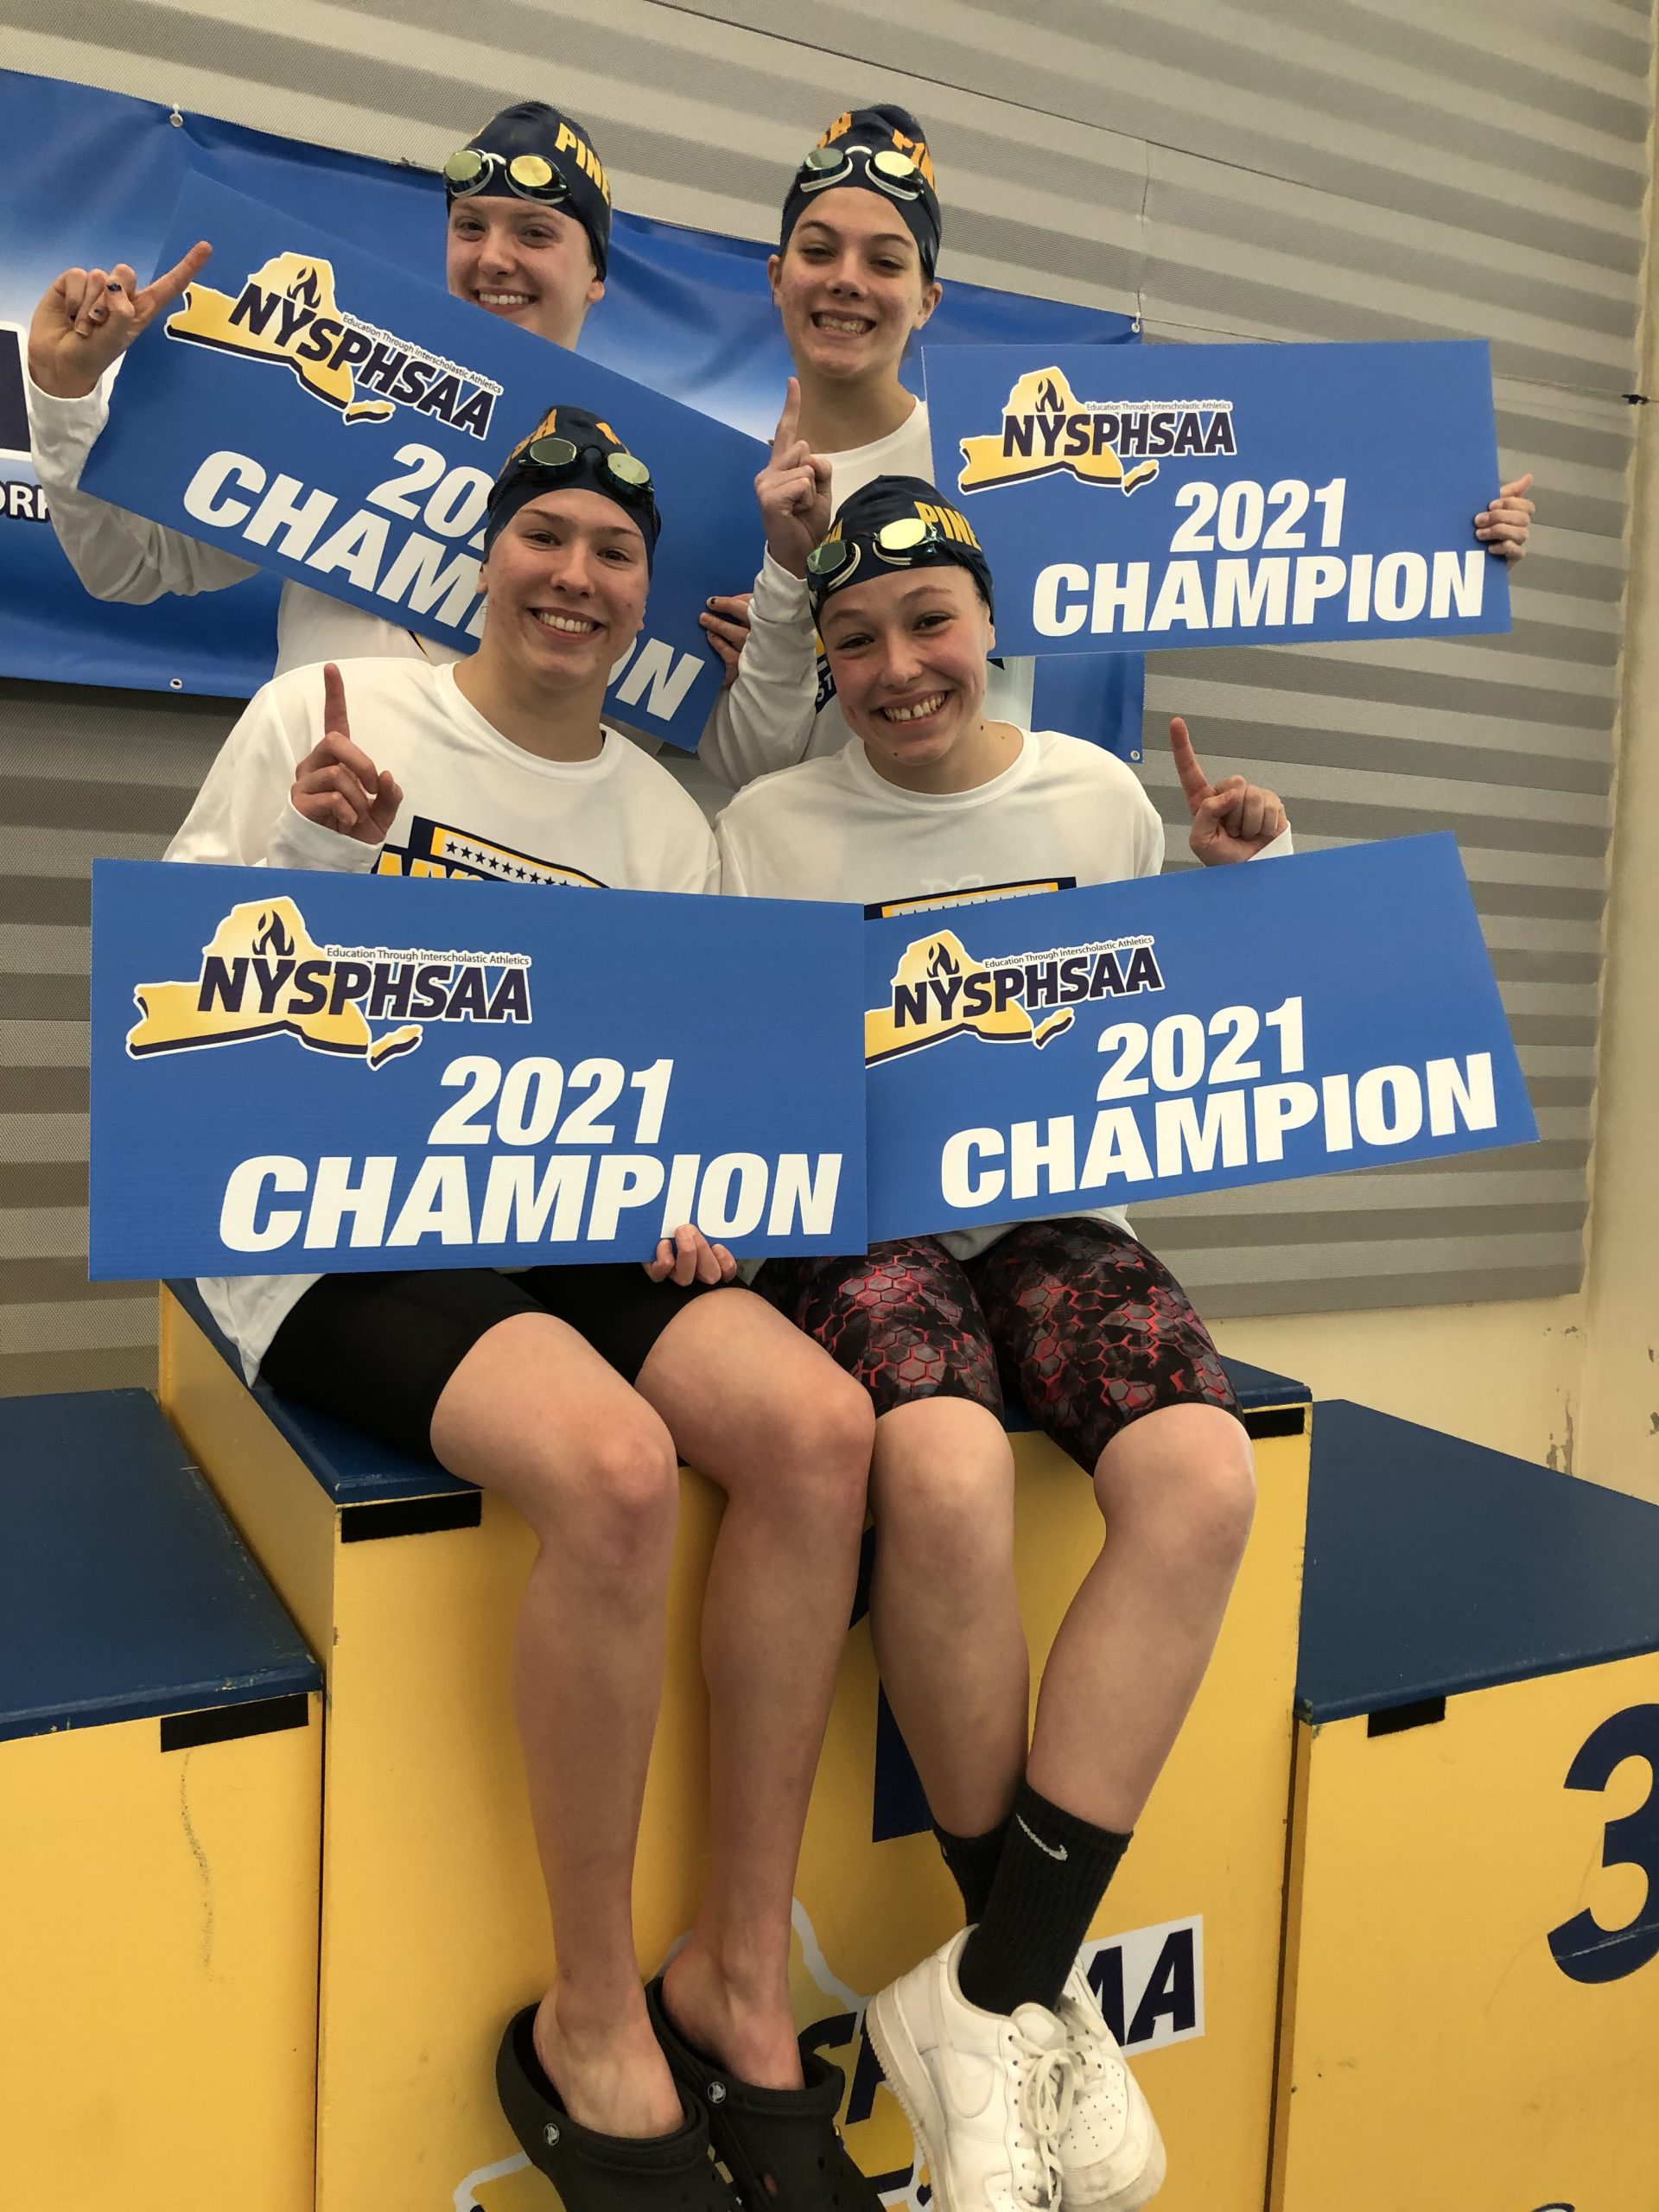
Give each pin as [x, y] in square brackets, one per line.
[684, 311]
[317, 411]
[298, 1071]
[1316, 491]
[1199, 1032]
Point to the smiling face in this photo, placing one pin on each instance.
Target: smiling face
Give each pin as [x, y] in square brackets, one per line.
[531, 265]
[907, 651]
[566, 581]
[849, 286]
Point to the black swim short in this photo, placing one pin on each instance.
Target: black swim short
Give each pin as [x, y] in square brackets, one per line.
[377, 1350]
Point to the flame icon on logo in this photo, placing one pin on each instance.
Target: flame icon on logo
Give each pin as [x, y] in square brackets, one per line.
[307, 289]
[273, 938]
[1048, 398]
[939, 962]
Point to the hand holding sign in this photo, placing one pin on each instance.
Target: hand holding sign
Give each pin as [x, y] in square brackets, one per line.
[793, 489]
[337, 785]
[688, 1257]
[1232, 820]
[1502, 526]
[89, 317]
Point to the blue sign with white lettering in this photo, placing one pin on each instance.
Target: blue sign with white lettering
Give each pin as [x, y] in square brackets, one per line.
[1222, 495]
[307, 1072]
[1082, 1050]
[322, 413]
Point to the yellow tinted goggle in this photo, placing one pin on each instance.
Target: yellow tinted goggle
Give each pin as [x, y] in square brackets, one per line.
[558, 457]
[901, 542]
[895, 172]
[470, 169]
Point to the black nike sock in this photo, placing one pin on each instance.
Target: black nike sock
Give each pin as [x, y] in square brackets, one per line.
[973, 1860]
[1051, 1878]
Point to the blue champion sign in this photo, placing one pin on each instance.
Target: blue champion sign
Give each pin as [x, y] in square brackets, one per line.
[295, 1071]
[1223, 495]
[323, 414]
[1083, 1050]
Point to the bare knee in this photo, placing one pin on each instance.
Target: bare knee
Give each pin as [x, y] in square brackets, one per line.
[952, 1509]
[820, 1441]
[615, 1504]
[1183, 1478]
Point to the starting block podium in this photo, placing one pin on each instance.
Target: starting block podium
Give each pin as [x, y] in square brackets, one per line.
[433, 1921]
[1470, 2005]
[161, 1765]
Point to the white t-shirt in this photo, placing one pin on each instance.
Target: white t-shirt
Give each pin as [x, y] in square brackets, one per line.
[782, 708]
[475, 806]
[1061, 815]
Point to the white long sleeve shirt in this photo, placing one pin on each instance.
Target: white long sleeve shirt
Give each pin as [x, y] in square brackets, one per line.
[782, 708]
[475, 806]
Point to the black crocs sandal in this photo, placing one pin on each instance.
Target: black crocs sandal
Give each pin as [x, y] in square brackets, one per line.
[781, 2147]
[602, 2173]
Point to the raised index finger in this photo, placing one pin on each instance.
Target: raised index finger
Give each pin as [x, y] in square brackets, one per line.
[1195, 784]
[335, 720]
[171, 282]
[789, 422]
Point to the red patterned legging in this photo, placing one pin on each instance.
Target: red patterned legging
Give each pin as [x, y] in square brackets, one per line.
[1075, 1319]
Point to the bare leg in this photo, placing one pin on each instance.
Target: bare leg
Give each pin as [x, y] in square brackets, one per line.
[944, 1608]
[760, 1410]
[1177, 1489]
[536, 1417]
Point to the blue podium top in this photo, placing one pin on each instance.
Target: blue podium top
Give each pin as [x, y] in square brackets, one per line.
[125, 1591]
[355, 1470]
[1435, 1567]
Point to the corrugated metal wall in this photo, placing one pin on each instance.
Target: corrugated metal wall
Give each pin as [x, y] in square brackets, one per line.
[1283, 170]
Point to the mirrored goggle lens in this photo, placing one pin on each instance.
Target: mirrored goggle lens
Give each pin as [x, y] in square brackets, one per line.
[829, 558]
[552, 453]
[465, 167]
[628, 470]
[897, 170]
[905, 536]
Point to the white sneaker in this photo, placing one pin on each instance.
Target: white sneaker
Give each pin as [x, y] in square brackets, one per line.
[1111, 2154]
[986, 2094]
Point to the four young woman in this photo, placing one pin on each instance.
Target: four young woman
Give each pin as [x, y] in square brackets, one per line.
[863, 669]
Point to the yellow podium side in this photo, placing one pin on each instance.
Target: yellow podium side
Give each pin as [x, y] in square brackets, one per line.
[1436, 2051]
[161, 1765]
[1471, 2002]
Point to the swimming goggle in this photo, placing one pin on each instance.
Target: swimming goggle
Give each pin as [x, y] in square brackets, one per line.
[559, 457]
[901, 543]
[470, 169]
[895, 174]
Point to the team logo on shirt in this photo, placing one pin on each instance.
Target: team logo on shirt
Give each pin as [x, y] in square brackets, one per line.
[440, 849]
[1046, 430]
[940, 990]
[286, 313]
[265, 975]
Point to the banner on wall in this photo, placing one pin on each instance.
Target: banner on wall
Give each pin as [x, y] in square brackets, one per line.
[1224, 495]
[686, 312]
[346, 1072]
[1201, 1031]
[319, 412]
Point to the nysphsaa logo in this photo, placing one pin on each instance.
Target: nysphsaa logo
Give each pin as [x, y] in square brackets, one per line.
[286, 313]
[1047, 429]
[939, 990]
[265, 975]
